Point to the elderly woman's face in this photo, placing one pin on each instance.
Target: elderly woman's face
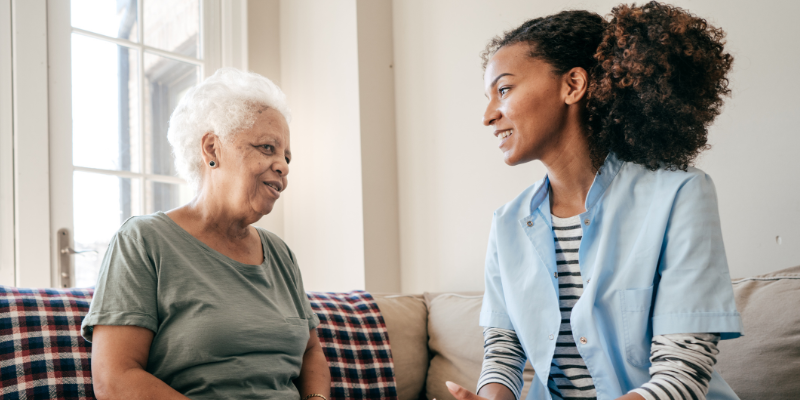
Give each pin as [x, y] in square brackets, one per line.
[255, 163]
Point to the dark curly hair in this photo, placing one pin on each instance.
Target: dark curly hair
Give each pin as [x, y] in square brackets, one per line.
[657, 77]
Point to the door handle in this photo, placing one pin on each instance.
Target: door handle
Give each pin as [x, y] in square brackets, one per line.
[65, 258]
[70, 250]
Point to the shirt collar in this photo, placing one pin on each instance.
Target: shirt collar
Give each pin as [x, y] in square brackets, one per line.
[602, 180]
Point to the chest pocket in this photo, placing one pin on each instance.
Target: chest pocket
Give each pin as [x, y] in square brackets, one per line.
[637, 327]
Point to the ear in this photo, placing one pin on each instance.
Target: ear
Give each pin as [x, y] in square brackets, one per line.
[576, 82]
[210, 147]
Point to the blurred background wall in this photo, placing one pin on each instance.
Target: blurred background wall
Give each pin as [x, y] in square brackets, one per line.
[395, 180]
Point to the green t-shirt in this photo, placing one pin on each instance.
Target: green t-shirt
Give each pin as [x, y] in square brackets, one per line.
[223, 329]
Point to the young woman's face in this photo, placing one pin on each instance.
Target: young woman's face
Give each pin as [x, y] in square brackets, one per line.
[526, 104]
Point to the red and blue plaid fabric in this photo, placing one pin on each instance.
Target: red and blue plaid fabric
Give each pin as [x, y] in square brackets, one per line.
[43, 356]
[42, 353]
[355, 341]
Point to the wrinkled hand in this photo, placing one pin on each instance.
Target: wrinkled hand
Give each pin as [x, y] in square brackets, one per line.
[462, 394]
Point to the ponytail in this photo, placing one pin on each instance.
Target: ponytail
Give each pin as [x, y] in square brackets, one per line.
[659, 82]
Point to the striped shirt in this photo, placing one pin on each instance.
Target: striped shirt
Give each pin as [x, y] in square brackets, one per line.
[569, 378]
[681, 363]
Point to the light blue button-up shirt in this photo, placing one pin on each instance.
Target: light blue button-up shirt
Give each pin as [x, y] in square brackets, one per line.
[652, 263]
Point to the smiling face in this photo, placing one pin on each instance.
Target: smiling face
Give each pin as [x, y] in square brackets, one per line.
[253, 165]
[527, 105]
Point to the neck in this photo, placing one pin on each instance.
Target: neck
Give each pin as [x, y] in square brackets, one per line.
[212, 216]
[571, 174]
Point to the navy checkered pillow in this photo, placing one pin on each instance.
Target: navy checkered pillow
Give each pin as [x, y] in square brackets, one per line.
[42, 353]
[355, 341]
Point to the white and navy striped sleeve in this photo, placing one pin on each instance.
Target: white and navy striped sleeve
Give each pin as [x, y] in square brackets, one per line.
[681, 366]
[503, 360]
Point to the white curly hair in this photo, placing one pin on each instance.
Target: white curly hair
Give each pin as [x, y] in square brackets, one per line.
[224, 103]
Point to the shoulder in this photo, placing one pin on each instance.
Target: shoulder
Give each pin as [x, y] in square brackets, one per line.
[144, 227]
[664, 181]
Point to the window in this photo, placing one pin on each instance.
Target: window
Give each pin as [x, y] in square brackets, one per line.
[91, 85]
[132, 61]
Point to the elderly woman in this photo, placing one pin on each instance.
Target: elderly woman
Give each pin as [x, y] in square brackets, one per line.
[196, 302]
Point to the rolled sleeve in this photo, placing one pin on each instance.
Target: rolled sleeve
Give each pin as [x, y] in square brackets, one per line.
[493, 310]
[126, 292]
[694, 293]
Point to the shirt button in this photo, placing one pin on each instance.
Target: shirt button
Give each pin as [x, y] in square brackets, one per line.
[550, 337]
[583, 340]
[586, 221]
[530, 223]
[588, 280]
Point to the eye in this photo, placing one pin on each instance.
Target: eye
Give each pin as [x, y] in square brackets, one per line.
[503, 90]
[268, 147]
[288, 160]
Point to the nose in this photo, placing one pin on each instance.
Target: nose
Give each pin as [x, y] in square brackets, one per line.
[491, 115]
[281, 167]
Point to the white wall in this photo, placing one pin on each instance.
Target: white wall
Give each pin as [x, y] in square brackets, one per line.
[452, 177]
[264, 58]
[323, 220]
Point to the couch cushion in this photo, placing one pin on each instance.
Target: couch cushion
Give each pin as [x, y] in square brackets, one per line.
[456, 343]
[765, 362]
[42, 353]
[406, 319]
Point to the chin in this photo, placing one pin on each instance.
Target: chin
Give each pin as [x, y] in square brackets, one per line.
[264, 208]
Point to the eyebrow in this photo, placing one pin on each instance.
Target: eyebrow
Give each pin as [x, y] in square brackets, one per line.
[494, 82]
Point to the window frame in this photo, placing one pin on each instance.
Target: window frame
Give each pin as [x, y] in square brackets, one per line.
[37, 193]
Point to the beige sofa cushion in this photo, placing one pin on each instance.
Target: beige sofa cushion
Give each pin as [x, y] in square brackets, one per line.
[406, 318]
[765, 363]
[456, 343]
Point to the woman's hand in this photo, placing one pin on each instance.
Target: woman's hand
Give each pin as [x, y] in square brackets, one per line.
[493, 391]
[462, 394]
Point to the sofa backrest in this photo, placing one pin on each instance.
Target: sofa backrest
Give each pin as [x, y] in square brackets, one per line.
[43, 356]
[765, 362]
[762, 364]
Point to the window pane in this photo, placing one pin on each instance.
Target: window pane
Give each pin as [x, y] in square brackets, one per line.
[173, 26]
[105, 105]
[166, 196]
[101, 204]
[166, 81]
[117, 19]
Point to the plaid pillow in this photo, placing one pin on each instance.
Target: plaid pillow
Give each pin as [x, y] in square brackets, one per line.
[43, 356]
[42, 353]
[355, 341]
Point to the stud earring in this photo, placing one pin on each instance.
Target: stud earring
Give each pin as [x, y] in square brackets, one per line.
[212, 164]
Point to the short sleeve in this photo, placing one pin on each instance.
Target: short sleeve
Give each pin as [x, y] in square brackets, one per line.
[493, 309]
[126, 292]
[310, 315]
[694, 293]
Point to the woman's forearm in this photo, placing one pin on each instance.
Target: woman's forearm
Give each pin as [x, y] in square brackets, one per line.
[133, 384]
[315, 376]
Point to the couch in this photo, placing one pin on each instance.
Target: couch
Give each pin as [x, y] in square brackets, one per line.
[433, 337]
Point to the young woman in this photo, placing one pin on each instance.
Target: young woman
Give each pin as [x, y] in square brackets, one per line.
[609, 274]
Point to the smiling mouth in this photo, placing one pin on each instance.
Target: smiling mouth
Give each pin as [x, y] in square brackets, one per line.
[504, 134]
[272, 185]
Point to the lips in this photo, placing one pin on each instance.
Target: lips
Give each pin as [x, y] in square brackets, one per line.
[503, 135]
[274, 185]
